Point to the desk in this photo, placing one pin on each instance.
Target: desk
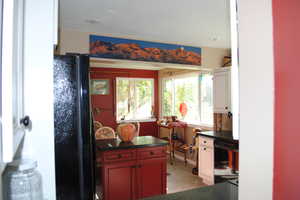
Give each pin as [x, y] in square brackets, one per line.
[171, 127]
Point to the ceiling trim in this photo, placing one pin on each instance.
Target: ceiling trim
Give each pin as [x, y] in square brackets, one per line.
[128, 64]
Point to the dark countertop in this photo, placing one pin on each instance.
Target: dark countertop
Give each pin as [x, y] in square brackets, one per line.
[138, 142]
[221, 135]
[221, 191]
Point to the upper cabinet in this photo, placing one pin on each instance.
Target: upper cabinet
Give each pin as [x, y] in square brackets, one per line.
[12, 96]
[222, 90]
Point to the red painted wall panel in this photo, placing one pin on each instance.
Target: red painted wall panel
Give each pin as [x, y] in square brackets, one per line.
[107, 102]
[286, 21]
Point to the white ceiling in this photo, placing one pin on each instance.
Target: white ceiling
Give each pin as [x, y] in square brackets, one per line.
[186, 22]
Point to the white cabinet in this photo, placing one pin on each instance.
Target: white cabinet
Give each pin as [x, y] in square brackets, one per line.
[222, 90]
[206, 159]
[55, 22]
[12, 101]
[11, 80]
[38, 102]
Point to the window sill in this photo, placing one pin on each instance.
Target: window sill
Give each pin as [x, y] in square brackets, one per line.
[137, 120]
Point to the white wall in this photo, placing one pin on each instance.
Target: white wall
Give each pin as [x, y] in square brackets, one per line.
[38, 86]
[256, 99]
[213, 57]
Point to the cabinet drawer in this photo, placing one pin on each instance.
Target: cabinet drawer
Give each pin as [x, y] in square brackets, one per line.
[151, 152]
[205, 141]
[115, 156]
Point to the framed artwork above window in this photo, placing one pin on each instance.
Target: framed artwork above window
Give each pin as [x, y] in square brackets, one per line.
[100, 87]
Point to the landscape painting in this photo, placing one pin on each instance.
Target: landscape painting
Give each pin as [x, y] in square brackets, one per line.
[118, 48]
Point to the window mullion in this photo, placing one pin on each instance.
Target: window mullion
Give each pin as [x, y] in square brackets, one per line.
[174, 96]
[200, 96]
[135, 99]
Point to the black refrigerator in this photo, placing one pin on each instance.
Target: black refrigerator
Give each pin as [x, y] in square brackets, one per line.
[74, 141]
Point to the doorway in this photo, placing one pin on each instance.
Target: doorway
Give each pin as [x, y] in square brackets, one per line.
[73, 40]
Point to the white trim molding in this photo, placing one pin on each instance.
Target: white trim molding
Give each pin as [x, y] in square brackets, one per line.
[256, 70]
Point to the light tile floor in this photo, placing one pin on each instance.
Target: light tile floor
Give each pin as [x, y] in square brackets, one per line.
[181, 177]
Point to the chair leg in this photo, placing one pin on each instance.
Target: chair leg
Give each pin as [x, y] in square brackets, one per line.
[173, 150]
[185, 160]
[171, 159]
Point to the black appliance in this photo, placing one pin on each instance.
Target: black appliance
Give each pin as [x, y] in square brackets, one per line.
[74, 141]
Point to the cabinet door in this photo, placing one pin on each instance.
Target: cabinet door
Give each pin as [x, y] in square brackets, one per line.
[12, 109]
[222, 92]
[56, 22]
[206, 164]
[151, 175]
[119, 181]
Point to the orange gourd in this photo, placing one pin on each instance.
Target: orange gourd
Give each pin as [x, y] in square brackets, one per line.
[126, 132]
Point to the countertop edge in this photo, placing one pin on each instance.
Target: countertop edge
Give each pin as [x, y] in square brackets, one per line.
[216, 137]
[131, 147]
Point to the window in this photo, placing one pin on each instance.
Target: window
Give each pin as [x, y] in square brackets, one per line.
[135, 98]
[193, 91]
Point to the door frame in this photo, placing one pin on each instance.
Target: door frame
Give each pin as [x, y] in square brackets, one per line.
[256, 78]
[256, 98]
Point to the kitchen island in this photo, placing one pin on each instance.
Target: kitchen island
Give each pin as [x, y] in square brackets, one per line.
[138, 142]
[132, 170]
[222, 191]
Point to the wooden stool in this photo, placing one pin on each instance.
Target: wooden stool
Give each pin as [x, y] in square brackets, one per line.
[170, 148]
[183, 148]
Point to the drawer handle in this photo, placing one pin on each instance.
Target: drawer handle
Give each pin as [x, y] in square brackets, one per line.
[204, 142]
[151, 153]
[204, 149]
[119, 156]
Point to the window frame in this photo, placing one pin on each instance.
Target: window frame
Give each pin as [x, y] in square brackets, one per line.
[186, 75]
[151, 119]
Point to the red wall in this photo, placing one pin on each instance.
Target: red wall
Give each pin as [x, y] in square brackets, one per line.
[286, 19]
[108, 117]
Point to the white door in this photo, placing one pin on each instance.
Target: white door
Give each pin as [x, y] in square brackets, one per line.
[1, 163]
[12, 109]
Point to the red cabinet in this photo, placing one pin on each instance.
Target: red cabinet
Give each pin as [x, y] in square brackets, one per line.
[151, 176]
[133, 174]
[120, 181]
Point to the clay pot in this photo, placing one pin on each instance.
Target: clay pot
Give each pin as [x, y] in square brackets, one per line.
[126, 132]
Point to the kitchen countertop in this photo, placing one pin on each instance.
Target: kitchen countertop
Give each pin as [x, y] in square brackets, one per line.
[138, 142]
[221, 191]
[221, 135]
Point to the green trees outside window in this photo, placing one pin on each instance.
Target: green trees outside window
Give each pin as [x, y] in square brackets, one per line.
[134, 98]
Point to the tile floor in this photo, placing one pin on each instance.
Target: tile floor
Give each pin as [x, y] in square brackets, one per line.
[181, 177]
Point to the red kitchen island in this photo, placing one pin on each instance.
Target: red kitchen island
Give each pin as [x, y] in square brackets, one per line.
[132, 170]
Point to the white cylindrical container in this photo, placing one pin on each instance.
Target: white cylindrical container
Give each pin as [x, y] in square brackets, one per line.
[22, 181]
